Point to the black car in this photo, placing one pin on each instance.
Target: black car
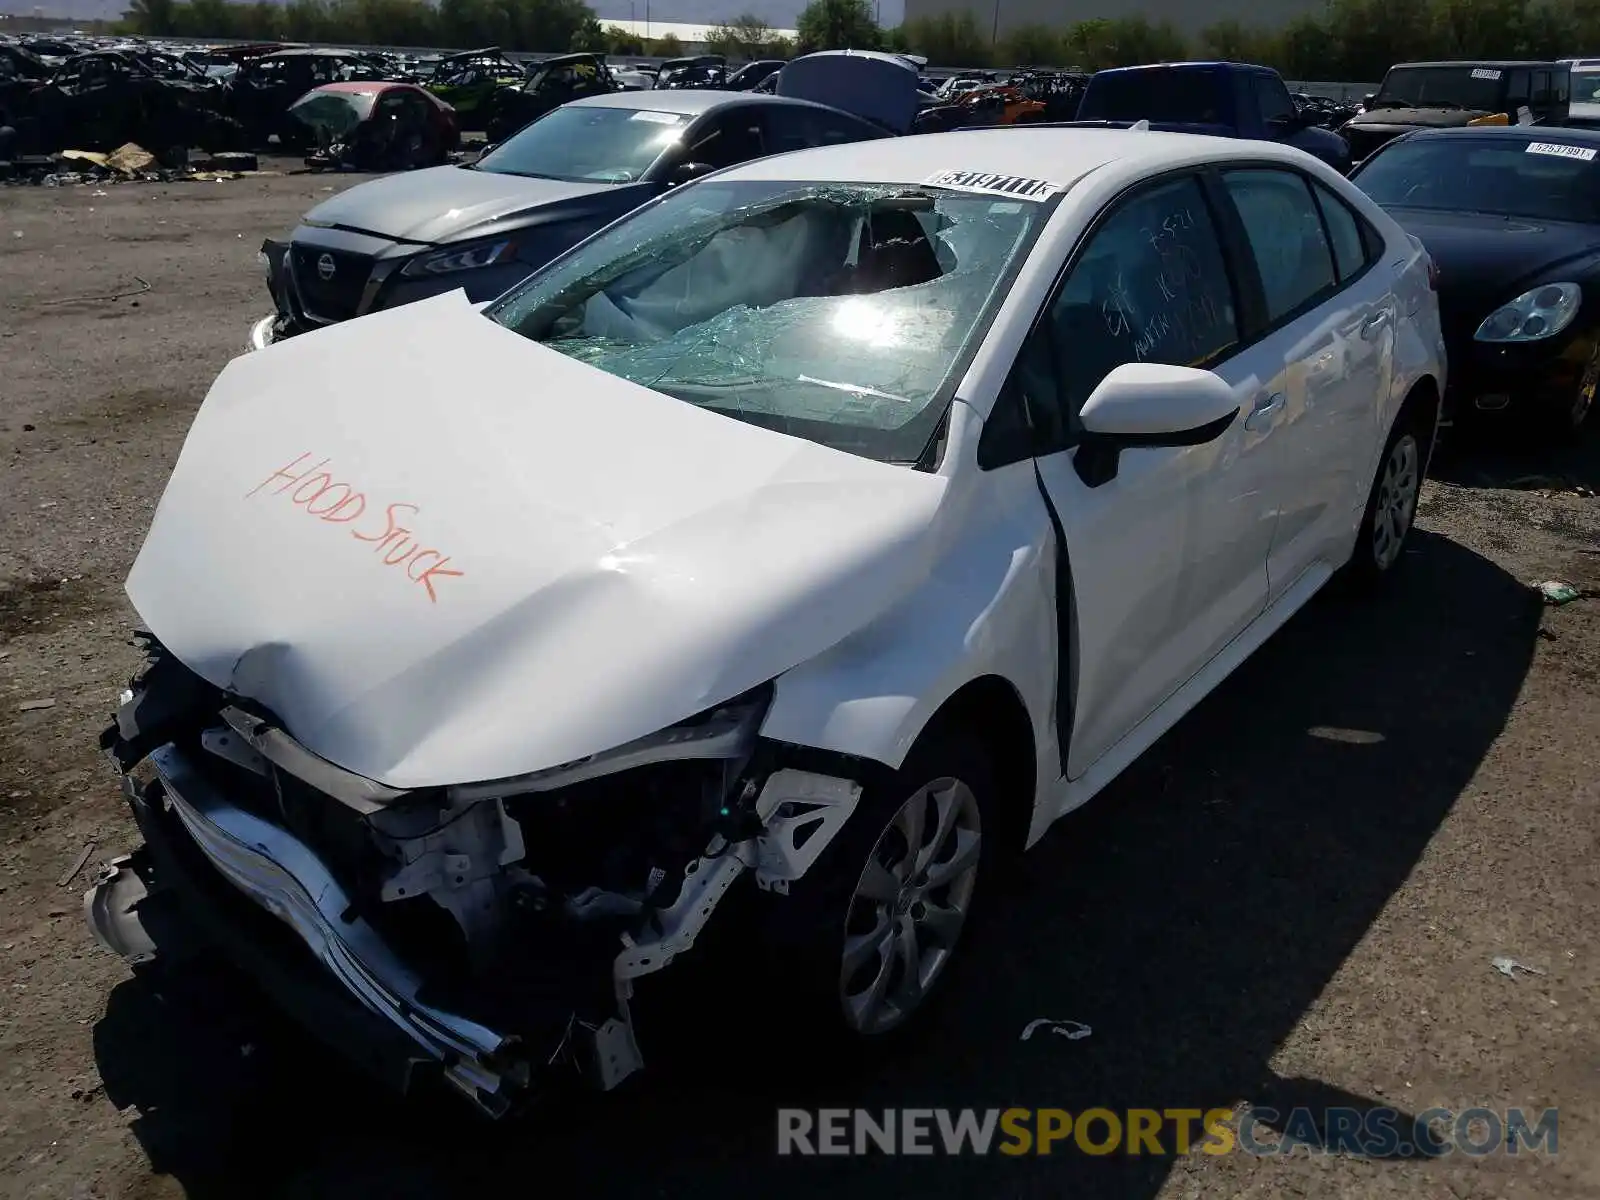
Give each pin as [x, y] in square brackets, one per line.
[484, 227]
[1447, 95]
[1511, 216]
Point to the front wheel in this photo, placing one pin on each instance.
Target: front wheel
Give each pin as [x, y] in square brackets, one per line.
[1568, 419]
[864, 940]
[1391, 505]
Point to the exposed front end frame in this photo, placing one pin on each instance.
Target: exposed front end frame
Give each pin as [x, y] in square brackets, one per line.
[490, 933]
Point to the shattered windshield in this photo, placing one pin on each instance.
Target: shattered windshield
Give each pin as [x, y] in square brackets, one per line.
[837, 312]
[337, 112]
[1475, 88]
[588, 144]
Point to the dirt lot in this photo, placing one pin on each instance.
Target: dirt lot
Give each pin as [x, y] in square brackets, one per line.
[1293, 899]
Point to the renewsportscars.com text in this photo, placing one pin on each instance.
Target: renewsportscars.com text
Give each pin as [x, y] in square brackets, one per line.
[1368, 1132]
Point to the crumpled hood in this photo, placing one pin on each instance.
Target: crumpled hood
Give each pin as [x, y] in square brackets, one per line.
[441, 553]
[441, 204]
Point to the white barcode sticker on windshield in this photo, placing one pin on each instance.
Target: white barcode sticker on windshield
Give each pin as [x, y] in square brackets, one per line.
[1586, 153]
[1485, 73]
[656, 118]
[1014, 187]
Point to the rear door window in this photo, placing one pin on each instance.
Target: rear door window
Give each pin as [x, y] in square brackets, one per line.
[1344, 233]
[1286, 237]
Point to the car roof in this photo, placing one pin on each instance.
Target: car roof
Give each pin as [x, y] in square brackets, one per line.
[689, 102]
[1561, 135]
[1194, 65]
[1061, 155]
[367, 85]
[1482, 62]
[314, 52]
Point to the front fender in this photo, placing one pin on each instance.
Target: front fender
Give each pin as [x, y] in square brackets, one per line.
[986, 608]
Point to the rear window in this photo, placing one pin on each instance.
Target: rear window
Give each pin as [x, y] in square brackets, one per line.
[1175, 97]
[1477, 89]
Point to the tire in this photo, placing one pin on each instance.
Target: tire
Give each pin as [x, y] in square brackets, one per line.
[840, 941]
[1391, 504]
[1566, 422]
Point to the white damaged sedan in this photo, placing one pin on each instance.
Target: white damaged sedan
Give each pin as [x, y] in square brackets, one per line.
[797, 547]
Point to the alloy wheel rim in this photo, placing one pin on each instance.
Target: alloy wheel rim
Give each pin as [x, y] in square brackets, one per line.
[910, 905]
[1398, 487]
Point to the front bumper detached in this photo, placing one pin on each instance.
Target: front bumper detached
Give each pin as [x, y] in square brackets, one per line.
[222, 872]
[188, 825]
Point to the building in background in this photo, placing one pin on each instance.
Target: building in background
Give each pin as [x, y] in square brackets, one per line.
[1189, 17]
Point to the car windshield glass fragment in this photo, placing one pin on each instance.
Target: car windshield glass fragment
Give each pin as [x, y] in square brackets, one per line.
[588, 143]
[836, 312]
[1510, 178]
[1476, 89]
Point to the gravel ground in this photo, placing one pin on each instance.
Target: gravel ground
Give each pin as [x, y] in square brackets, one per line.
[1294, 898]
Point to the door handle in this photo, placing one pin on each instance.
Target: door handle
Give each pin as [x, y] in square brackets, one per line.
[1264, 413]
[1374, 324]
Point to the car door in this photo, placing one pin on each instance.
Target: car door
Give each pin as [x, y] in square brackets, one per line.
[1168, 557]
[1323, 352]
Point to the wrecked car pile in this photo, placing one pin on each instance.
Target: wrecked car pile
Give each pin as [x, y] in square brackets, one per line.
[223, 101]
[103, 100]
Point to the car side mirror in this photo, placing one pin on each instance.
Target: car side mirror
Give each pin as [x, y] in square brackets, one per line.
[1366, 101]
[1141, 405]
[688, 172]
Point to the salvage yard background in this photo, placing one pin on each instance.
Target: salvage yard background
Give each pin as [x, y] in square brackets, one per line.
[1294, 898]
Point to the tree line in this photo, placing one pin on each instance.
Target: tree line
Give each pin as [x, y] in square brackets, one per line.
[1352, 39]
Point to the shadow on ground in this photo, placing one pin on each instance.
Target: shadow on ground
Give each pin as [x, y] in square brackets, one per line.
[1513, 457]
[1189, 915]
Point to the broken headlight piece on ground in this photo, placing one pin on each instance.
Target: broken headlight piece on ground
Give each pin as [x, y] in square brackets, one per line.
[500, 925]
